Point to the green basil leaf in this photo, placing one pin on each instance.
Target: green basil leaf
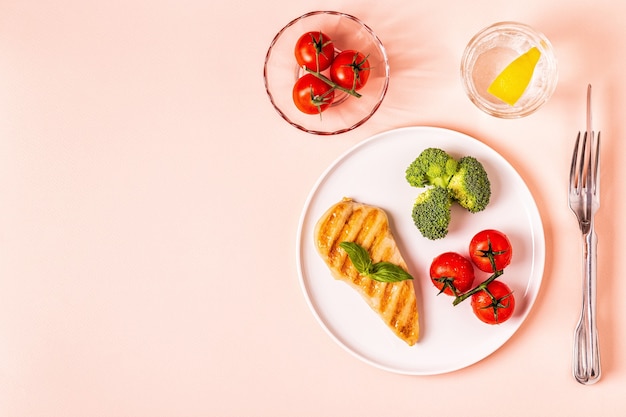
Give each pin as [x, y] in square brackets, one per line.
[359, 257]
[379, 271]
[388, 272]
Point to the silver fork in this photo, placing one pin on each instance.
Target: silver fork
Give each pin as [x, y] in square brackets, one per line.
[584, 200]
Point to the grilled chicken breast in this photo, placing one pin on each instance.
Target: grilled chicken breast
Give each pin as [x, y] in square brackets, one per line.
[369, 227]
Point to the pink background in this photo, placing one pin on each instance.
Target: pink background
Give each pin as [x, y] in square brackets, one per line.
[150, 198]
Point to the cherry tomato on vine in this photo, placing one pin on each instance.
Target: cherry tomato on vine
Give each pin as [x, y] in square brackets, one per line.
[314, 50]
[496, 242]
[350, 69]
[312, 95]
[495, 304]
[452, 273]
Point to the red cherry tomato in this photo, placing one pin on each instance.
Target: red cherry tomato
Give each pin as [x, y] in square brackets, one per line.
[350, 70]
[314, 50]
[490, 241]
[312, 95]
[495, 304]
[452, 273]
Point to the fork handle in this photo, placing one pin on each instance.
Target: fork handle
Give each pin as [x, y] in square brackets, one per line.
[586, 361]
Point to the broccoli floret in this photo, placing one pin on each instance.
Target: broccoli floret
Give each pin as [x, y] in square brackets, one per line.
[470, 186]
[432, 167]
[445, 180]
[431, 212]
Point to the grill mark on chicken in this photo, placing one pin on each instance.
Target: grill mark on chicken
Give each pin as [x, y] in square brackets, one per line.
[398, 306]
[385, 297]
[327, 235]
[412, 315]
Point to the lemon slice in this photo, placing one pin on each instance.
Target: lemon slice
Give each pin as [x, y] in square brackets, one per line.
[511, 83]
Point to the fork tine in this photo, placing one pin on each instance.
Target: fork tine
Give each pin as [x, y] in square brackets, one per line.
[586, 161]
[596, 171]
[589, 121]
[572, 172]
[582, 173]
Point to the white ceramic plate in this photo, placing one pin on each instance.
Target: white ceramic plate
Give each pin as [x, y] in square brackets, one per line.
[451, 337]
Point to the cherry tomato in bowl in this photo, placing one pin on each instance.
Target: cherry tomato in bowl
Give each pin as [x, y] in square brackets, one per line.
[312, 95]
[315, 51]
[350, 69]
[495, 304]
[452, 273]
[493, 241]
